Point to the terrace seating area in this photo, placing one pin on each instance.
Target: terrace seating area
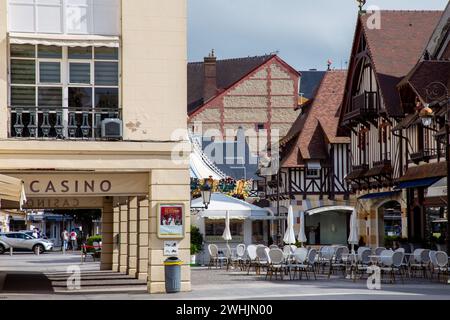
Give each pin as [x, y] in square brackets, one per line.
[292, 263]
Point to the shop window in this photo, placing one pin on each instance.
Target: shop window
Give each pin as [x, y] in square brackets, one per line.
[216, 228]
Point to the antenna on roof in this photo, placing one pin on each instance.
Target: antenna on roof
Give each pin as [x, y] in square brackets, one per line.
[361, 5]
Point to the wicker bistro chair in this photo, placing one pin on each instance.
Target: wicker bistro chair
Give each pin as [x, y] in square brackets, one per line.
[363, 260]
[251, 258]
[420, 262]
[262, 257]
[240, 254]
[379, 250]
[337, 261]
[214, 258]
[308, 265]
[273, 246]
[275, 258]
[442, 265]
[326, 257]
[300, 256]
[232, 260]
[391, 263]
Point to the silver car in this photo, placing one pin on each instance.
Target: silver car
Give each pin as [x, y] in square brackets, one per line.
[22, 241]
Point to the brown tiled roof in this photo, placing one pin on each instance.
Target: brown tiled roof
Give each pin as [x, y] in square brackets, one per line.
[228, 72]
[356, 174]
[319, 124]
[425, 73]
[396, 47]
[431, 170]
[379, 170]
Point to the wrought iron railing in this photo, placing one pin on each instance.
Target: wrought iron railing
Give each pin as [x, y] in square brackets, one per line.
[59, 123]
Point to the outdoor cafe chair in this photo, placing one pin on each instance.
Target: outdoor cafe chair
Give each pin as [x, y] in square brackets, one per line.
[214, 258]
[273, 246]
[326, 257]
[275, 264]
[240, 254]
[251, 258]
[308, 265]
[391, 262]
[442, 264]
[337, 261]
[363, 260]
[420, 261]
[232, 260]
[300, 256]
[262, 257]
[379, 250]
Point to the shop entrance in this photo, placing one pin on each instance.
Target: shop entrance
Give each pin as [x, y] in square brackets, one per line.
[389, 223]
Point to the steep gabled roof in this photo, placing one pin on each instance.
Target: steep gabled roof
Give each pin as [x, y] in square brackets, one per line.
[309, 82]
[229, 71]
[318, 126]
[394, 49]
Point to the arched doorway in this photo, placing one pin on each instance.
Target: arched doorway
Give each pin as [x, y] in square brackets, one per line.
[389, 222]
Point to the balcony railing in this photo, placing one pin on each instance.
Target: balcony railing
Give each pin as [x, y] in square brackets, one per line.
[423, 155]
[59, 123]
[363, 106]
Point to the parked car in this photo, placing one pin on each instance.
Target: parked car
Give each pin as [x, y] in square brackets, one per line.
[4, 246]
[22, 241]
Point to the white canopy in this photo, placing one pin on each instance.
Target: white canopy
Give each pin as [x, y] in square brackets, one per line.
[12, 189]
[238, 209]
[329, 208]
[64, 40]
[439, 189]
[201, 167]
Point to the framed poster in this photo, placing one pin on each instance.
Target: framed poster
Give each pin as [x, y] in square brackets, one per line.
[171, 221]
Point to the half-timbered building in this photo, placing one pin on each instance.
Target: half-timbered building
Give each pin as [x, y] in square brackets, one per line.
[314, 163]
[424, 90]
[382, 55]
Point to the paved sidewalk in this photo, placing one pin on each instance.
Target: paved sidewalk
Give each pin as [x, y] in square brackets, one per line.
[50, 276]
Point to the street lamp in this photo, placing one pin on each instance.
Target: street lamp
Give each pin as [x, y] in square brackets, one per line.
[436, 92]
[206, 191]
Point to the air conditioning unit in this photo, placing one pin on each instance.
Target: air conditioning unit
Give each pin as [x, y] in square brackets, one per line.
[112, 129]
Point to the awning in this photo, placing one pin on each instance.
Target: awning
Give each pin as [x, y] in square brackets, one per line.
[238, 209]
[378, 195]
[62, 40]
[438, 189]
[416, 183]
[328, 209]
[12, 189]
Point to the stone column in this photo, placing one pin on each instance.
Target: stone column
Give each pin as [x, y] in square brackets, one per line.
[123, 261]
[143, 239]
[168, 186]
[132, 236]
[107, 235]
[116, 236]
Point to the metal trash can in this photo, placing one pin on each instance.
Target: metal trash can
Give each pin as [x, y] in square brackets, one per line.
[172, 272]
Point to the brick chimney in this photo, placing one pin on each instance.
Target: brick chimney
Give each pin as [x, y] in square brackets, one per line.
[210, 77]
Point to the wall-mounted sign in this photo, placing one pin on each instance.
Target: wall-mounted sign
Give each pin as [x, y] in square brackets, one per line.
[84, 184]
[171, 248]
[171, 220]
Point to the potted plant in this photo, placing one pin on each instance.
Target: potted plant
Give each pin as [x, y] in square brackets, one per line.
[196, 243]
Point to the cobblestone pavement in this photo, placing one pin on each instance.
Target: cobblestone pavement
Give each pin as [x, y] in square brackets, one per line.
[44, 277]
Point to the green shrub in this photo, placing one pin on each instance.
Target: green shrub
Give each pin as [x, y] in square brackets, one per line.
[90, 241]
[196, 240]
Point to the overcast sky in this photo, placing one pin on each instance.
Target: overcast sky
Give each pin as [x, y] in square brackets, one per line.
[305, 32]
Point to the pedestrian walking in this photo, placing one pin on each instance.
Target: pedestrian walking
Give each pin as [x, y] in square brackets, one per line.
[73, 239]
[35, 233]
[65, 239]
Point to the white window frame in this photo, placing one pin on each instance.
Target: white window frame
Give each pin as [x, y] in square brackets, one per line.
[64, 5]
[65, 78]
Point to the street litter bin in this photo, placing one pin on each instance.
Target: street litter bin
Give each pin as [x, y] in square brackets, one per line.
[172, 272]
